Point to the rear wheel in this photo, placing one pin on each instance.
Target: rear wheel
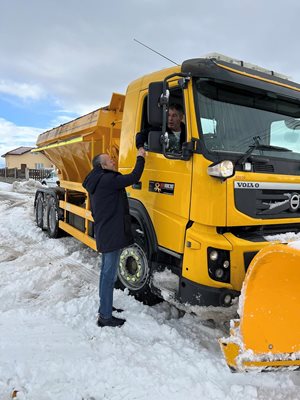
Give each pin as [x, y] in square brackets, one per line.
[52, 219]
[39, 211]
[135, 272]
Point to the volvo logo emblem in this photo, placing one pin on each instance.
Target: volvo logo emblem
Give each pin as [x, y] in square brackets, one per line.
[294, 202]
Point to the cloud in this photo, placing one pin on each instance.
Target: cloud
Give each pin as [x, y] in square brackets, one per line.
[60, 120]
[13, 136]
[24, 91]
[77, 53]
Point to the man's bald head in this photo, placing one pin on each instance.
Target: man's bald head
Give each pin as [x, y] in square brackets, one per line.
[104, 161]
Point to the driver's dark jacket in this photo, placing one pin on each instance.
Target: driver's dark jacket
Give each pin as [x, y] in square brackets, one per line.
[109, 204]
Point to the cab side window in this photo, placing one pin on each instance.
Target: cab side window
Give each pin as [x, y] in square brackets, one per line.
[175, 123]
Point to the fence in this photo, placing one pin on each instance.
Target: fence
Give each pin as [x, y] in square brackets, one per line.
[26, 173]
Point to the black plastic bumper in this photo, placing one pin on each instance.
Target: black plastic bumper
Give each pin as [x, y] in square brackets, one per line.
[196, 294]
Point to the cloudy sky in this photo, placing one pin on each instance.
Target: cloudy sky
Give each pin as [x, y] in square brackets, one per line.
[62, 58]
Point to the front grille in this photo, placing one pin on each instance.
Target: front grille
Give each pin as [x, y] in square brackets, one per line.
[262, 167]
[268, 200]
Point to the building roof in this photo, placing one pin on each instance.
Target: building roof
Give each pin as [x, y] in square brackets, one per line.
[18, 151]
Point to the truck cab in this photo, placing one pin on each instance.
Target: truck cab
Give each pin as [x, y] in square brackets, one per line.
[204, 212]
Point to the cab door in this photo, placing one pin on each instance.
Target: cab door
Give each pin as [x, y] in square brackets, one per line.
[166, 183]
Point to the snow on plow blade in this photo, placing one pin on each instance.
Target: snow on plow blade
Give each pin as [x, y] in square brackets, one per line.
[267, 336]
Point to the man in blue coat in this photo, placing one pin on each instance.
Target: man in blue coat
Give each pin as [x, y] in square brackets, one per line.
[112, 224]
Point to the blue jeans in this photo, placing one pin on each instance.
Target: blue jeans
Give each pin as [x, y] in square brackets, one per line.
[108, 276]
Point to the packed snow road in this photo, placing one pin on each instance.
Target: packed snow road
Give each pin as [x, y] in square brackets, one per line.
[51, 348]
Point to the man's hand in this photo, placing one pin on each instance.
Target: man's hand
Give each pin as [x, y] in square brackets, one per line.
[141, 152]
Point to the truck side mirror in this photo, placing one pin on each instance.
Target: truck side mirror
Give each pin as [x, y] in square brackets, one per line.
[155, 104]
[187, 150]
[154, 141]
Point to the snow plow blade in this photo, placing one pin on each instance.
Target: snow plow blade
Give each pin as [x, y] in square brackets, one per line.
[267, 335]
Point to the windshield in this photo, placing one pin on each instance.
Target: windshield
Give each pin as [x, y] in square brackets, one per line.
[231, 117]
[52, 174]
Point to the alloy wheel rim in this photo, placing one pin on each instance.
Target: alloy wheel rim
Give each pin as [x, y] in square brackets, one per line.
[133, 267]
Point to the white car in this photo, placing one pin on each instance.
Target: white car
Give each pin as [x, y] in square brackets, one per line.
[51, 180]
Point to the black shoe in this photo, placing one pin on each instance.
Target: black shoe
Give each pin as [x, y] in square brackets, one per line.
[117, 309]
[113, 322]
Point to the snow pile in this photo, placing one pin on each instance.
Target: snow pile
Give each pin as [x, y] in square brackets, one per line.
[283, 237]
[51, 348]
[29, 186]
[7, 187]
[295, 244]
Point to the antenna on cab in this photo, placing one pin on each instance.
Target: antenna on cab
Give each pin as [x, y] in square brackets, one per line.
[156, 52]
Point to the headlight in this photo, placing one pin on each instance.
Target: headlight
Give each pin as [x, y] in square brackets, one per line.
[223, 169]
[213, 255]
[218, 262]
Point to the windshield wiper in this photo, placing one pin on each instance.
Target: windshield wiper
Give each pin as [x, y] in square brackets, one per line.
[258, 146]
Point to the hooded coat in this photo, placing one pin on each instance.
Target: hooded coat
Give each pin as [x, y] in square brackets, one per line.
[109, 205]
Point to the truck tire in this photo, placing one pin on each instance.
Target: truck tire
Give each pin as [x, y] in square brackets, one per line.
[52, 219]
[134, 271]
[39, 211]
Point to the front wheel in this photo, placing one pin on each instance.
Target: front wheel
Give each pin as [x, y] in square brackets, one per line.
[135, 272]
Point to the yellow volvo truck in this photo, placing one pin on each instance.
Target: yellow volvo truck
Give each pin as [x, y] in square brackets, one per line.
[205, 211]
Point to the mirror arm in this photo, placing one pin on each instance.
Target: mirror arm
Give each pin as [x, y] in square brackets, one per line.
[164, 102]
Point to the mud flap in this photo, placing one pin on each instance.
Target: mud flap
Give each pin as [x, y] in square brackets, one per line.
[267, 336]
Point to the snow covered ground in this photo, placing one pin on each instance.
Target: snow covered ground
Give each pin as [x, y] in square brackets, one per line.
[51, 348]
